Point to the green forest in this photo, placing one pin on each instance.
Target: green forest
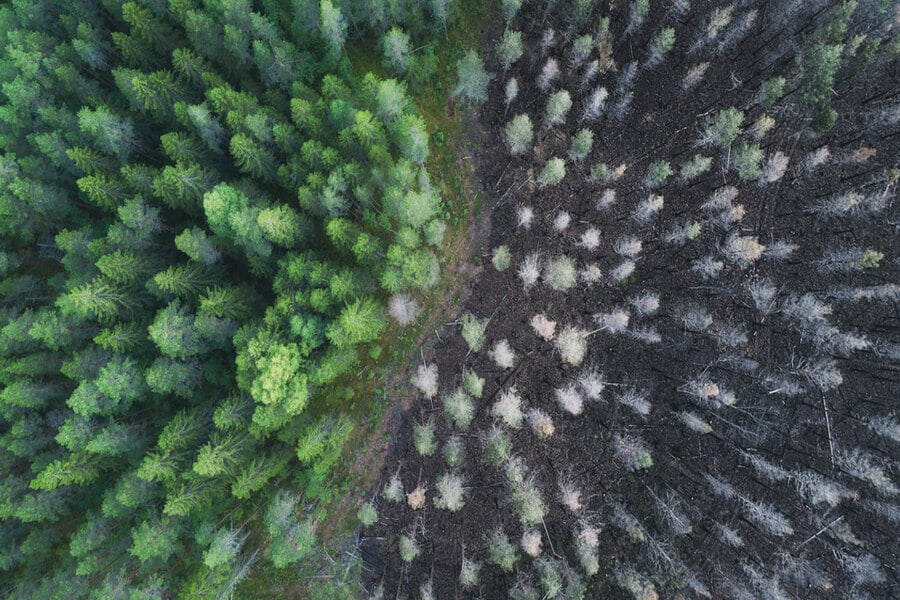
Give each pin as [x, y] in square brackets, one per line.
[207, 210]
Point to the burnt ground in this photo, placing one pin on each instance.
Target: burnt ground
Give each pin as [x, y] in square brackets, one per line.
[839, 547]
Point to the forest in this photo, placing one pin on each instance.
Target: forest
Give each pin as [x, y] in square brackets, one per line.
[427, 299]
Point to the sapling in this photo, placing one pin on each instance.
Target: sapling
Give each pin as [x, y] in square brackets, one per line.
[614, 322]
[581, 145]
[473, 384]
[511, 91]
[682, 234]
[592, 384]
[515, 470]
[560, 273]
[473, 330]
[403, 308]
[510, 9]
[628, 246]
[553, 172]
[644, 304]
[636, 584]
[450, 492]
[593, 106]
[497, 446]
[572, 345]
[426, 380]
[367, 514]
[769, 519]
[503, 355]
[501, 551]
[816, 159]
[528, 503]
[500, 258]
[509, 48]
[453, 451]
[743, 250]
[645, 333]
[524, 216]
[848, 260]
[416, 498]
[423, 438]
[762, 292]
[541, 423]
[762, 126]
[662, 45]
[600, 172]
[569, 399]
[632, 451]
[530, 270]
[543, 326]
[590, 239]
[590, 73]
[581, 49]
[550, 577]
[549, 74]
[636, 400]
[518, 133]
[627, 522]
[746, 159]
[623, 271]
[657, 174]
[468, 573]
[531, 542]
[561, 221]
[672, 513]
[587, 542]
[694, 76]
[638, 11]
[459, 408]
[647, 209]
[722, 128]
[695, 167]
[558, 106]
[771, 91]
[695, 318]
[779, 250]
[473, 80]
[393, 489]
[508, 408]
[623, 105]
[409, 548]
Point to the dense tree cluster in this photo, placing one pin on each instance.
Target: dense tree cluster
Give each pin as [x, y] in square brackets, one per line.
[202, 213]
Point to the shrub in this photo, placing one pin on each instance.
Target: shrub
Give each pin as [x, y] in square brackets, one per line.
[450, 492]
[519, 133]
[569, 399]
[558, 106]
[423, 438]
[524, 216]
[501, 258]
[459, 408]
[560, 273]
[497, 446]
[554, 172]
[632, 451]
[508, 408]
[426, 380]
[501, 552]
[561, 222]
[541, 423]
[600, 172]
[473, 330]
[403, 308]
[572, 345]
[570, 496]
[503, 355]
[454, 451]
[393, 489]
[531, 542]
[581, 144]
[367, 514]
[409, 548]
[528, 504]
[657, 173]
[473, 384]
[614, 322]
[746, 160]
[590, 239]
[723, 128]
[468, 573]
[472, 78]
[543, 326]
[628, 246]
[695, 167]
[509, 48]
[623, 271]
[530, 270]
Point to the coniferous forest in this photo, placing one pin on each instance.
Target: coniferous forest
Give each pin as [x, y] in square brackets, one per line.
[427, 299]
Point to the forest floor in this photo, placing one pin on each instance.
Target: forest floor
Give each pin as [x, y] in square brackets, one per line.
[381, 393]
[798, 431]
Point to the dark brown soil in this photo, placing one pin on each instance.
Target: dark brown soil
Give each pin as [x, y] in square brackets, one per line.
[807, 432]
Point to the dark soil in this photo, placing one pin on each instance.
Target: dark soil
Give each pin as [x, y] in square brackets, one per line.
[810, 431]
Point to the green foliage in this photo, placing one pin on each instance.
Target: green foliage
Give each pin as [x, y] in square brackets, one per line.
[581, 145]
[519, 134]
[657, 173]
[473, 330]
[500, 258]
[472, 79]
[554, 172]
[501, 551]
[771, 91]
[509, 48]
[558, 106]
[722, 128]
[747, 159]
